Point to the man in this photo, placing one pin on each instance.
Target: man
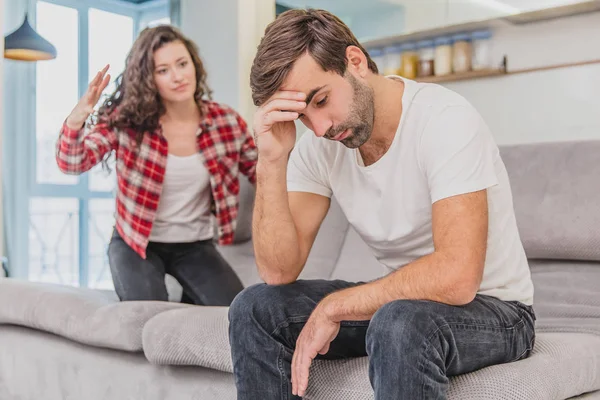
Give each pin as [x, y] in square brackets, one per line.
[416, 172]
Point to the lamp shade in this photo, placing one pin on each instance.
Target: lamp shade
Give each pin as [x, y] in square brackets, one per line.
[26, 45]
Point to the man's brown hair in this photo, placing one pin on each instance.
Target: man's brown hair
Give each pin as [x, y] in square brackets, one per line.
[323, 35]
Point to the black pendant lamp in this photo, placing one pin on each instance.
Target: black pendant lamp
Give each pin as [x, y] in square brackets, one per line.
[25, 44]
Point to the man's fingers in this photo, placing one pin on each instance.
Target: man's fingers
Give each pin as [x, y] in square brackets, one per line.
[273, 117]
[293, 370]
[297, 379]
[286, 94]
[284, 105]
[303, 372]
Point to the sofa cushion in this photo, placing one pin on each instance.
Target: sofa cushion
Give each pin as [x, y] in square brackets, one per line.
[562, 364]
[566, 296]
[84, 315]
[556, 195]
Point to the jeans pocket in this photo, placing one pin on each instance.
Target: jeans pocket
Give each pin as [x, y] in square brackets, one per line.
[524, 308]
[525, 335]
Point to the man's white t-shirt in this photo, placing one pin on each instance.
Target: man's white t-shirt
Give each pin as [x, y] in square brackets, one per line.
[442, 148]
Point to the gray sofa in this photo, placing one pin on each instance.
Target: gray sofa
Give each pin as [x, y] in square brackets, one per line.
[69, 343]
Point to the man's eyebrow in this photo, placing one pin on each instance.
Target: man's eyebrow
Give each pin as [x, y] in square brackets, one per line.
[312, 94]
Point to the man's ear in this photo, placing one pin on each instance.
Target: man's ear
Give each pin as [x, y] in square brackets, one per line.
[357, 61]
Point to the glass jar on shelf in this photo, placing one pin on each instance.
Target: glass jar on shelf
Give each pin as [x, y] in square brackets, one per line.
[377, 56]
[391, 60]
[410, 60]
[482, 52]
[442, 64]
[461, 53]
[426, 58]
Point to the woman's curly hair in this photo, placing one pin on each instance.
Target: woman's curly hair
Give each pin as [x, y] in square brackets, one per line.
[136, 104]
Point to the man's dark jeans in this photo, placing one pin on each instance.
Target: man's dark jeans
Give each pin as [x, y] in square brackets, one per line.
[413, 345]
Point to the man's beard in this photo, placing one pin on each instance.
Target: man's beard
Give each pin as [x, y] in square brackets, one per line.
[361, 118]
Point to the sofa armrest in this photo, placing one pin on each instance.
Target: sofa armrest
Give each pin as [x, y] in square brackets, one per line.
[87, 316]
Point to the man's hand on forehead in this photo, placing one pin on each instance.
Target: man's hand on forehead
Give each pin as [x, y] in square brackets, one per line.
[274, 129]
[288, 95]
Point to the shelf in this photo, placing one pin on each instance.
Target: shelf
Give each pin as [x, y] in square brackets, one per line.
[489, 73]
[432, 33]
[492, 23]
[463, 76]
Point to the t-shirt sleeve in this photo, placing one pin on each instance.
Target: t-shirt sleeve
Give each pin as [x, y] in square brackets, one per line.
[307, 171]
[457, 153]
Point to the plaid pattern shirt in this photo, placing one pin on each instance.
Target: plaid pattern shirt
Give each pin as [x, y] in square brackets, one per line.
[226, 148]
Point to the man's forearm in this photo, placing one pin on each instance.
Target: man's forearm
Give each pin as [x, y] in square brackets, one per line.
[274, 233]
[434, 277]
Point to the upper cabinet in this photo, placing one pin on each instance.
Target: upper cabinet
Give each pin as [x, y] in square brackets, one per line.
[465, 11]
[376, 20]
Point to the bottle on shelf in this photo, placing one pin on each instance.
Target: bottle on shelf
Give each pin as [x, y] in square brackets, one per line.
[443, 56]
[461, 53]
[391, 60]
[410, 60]
[482, 54]
[426, 58]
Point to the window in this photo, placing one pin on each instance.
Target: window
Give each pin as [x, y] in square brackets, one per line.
[154, 13]
[53, 240]
[57, 88]
[107, 46]
[160, 21]
[71, 217]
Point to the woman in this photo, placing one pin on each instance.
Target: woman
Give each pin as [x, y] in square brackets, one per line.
[178, 157]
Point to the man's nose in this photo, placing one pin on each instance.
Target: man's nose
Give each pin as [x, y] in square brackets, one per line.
[320, 128]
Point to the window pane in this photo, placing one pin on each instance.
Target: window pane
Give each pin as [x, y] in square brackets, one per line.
[110, 39]
[160, 21]
[56, 90]
[53, 240]
[101, 225]
[102, 179]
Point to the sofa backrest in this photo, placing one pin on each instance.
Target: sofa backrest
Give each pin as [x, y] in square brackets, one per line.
[556, 196]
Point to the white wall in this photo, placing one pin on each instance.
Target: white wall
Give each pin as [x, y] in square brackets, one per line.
[421, 15]
[1, 130]
[253, 18]
[553, 105]
[227, 33]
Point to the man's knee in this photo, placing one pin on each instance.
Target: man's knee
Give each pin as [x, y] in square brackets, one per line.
[245, 302]
[257, 303]
[402, 324]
